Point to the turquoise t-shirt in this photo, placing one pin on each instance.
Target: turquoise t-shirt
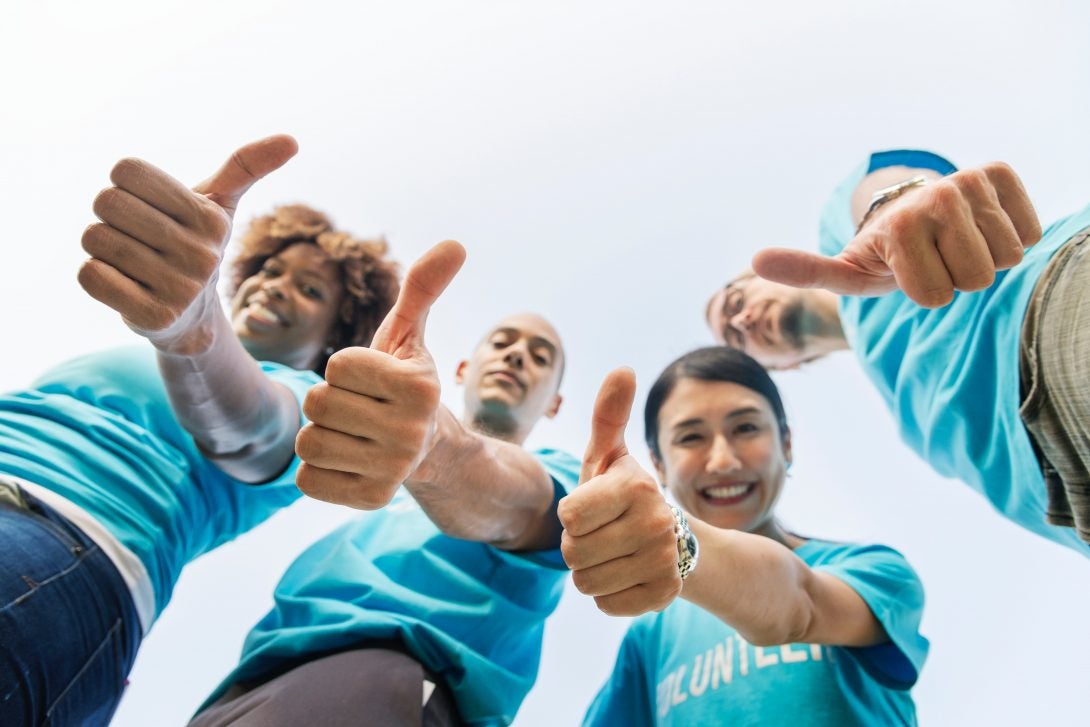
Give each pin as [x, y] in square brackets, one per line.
[951, 375]
[99, 430]
[471, 613]
[686, 667]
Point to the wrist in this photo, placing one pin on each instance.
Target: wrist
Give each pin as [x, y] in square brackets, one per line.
[885, 195]
[446, 443]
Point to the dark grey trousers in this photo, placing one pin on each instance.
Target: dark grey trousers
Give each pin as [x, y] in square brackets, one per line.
[1055, 370]
[366, 686]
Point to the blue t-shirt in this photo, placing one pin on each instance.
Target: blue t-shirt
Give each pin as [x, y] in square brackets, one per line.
[99, 431]
[470, 613]
[951, 375]
[686, 667]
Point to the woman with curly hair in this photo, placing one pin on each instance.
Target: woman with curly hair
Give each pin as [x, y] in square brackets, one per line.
[118, 468]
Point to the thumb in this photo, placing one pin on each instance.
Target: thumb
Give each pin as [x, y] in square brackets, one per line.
[607, 425]
[801, 269]
[426, 280]
[247, 165]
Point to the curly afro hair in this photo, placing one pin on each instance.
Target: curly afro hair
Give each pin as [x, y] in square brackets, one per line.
[370, 279]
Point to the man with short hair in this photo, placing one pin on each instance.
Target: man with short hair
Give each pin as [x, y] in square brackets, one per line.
[983, 356]
[431, 609]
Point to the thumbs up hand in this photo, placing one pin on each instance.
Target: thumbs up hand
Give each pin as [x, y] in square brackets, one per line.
[373, 420]
[949, 235]
[155, 255]
[619, 538]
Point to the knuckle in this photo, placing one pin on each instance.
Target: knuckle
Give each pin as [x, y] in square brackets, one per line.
[106, 201]
[1000, 171]
[127, 169]
[308, 444]
[901, 222]
[581, 582]
[945, 194]
[315, 402]
[972, 179]
[568, 512]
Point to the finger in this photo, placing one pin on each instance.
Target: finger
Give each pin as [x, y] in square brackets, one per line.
[137, 219]
[380, 376]
[620, 574]
[329, 449]
[426, 280]
[361, 416]
[963, 249]
[129, 256]
[1004, 244]
[612, 409]
[603, 499]
[640, 599]
[342, 488]
[801, 269]
[247, 165]
[1015, 202]
[109, 286]
[160, 190]
[609, 542]
[919, 268]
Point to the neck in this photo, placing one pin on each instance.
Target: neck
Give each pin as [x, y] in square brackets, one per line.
[821, 325]
[772, 530]
[502, 428]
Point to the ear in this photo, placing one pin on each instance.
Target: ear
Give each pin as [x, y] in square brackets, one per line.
[554, 406]
[460, 372]
[787, 456]
[659, 470]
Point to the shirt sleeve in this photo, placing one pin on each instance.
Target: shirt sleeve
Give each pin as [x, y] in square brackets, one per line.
[624, 699]
[298, 383]
[837, 226]
[890, 587]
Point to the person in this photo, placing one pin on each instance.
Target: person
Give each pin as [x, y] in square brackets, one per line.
[772, 626]
[973, 331]
[429, 610]
[118, 468]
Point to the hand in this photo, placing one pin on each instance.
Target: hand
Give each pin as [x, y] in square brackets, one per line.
[952, 234]
[619, 538]
[373, 420]
[156, 254]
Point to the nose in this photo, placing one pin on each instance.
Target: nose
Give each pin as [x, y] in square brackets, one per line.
[742, 321]
[515, 358]
[722, 458]
[272, 288]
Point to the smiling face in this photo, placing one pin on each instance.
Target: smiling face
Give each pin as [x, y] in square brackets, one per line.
[513, 377]
[285, 312]
[721, 453]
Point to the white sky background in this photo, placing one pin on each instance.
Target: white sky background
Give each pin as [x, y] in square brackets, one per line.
[608, 166]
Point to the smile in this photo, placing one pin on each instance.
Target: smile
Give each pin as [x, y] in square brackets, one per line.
[728, 494]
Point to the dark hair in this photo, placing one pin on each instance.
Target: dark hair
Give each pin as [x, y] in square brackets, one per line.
[369, 278]
[714, 363]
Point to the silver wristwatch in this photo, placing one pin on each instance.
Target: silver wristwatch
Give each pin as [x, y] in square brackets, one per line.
[888, 194]
[688, 550]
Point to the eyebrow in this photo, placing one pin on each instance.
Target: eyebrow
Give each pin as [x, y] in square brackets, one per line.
[539, 341]
[699, 420]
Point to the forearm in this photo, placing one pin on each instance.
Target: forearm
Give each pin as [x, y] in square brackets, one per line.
[771, 597]
[483, 489]
[751, 582]
[242, 421]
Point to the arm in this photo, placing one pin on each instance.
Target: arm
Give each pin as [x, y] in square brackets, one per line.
[155, 259]
[771, 597]
[953, 234]
[480, 488]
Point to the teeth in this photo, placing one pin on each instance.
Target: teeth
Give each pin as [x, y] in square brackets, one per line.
[725, 492]
[262, 313]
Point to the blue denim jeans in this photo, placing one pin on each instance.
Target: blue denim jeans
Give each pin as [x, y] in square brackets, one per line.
[68, 628]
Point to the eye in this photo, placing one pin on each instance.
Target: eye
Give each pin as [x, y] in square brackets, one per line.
[689, 438]
[311, 291]
[269, 270]
[542, 359]
[747, 428]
